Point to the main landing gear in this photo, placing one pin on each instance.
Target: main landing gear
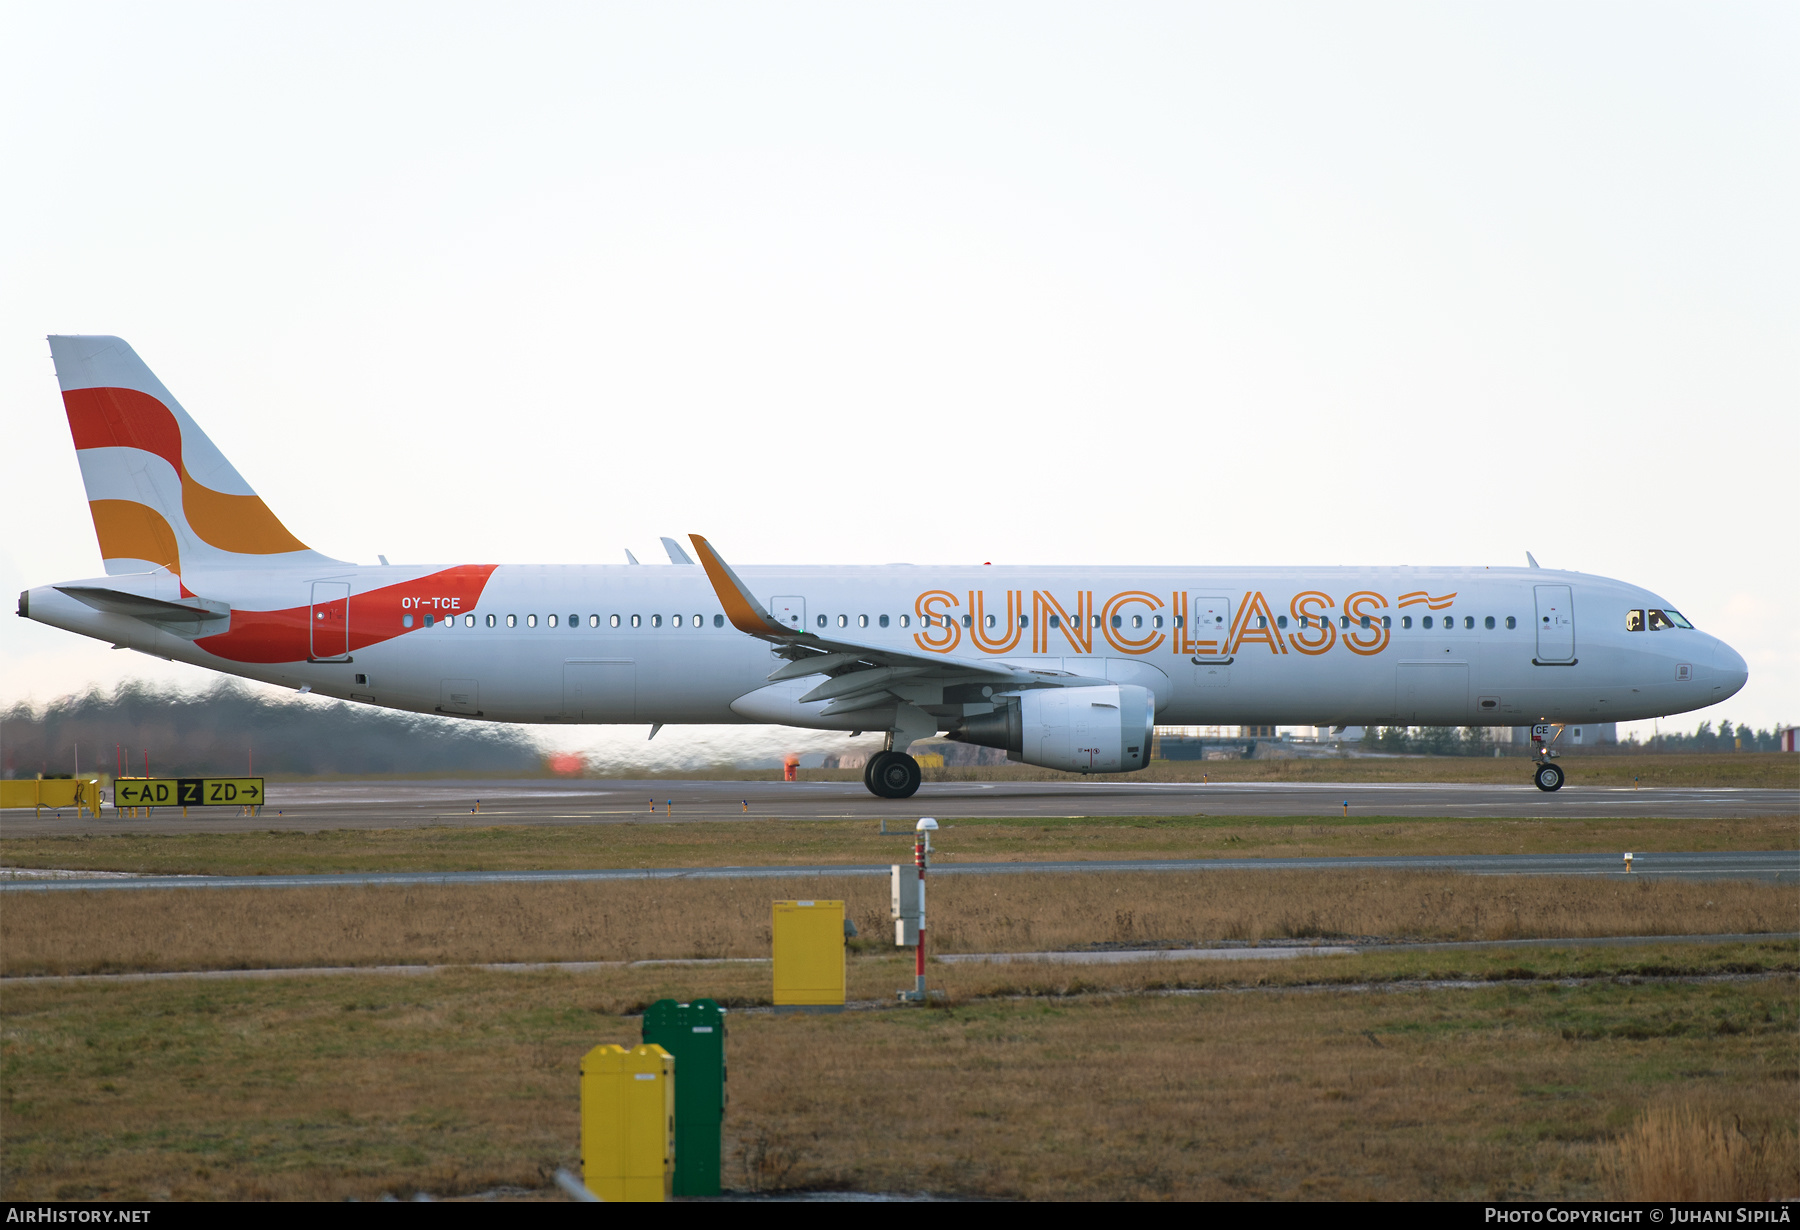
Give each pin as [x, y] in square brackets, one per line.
[1548, 776]
[891, 775]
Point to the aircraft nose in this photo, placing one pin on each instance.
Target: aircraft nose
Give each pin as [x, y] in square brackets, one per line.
[1731, 666]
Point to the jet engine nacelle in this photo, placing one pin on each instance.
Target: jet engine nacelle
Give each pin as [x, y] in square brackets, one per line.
[1101, 729]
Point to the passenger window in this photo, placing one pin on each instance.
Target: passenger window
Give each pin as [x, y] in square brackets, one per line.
[1262, 621]
[1056, 621]
[718, 621]
[1511, 622]
[1137, 621]
[699, 621]
[1387, 621]
[1634, 621]
[1024, 621]
[1156, 621]
[1406, 621]
[613, 621]
[1280, 621]
[552, 621]
[1365, 621]
[674, 621]
[862, 621]
[1343, 621]
[1095, 622]
[1469, 622]
[468, 621]
[637, 621]
[1118, 621]
[530, 621]
[843, 621]
[883, 621]
[990, 621]
[490, 621]
[966, 621]
[512, 621]
[406, 621]
[821, 621]
[656, 621]
[1426, 622]
[1488, 622]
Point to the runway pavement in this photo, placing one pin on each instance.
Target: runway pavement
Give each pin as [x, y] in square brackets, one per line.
[1781, 866]
[311, 807]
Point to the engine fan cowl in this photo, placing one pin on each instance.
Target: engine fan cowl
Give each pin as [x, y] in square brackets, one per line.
[1101, 729]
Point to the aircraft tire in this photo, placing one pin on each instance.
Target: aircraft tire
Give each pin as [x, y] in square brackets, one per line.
[1548, 777]
[869, 771]
[895, 776]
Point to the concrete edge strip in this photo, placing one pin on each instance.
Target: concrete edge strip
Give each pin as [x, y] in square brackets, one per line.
[1754, 863]
[1101, 957]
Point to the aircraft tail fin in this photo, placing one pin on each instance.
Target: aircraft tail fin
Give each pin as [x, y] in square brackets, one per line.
[160, 492]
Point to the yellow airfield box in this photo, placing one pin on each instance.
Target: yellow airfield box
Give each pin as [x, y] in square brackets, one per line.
[628, 1122]
[809, 953]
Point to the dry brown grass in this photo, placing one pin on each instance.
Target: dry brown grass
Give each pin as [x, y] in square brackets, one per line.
[88, 932]
[1682, 1152]
[322, 1088]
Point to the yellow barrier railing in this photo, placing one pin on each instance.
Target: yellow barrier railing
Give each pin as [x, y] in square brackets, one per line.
[79, 793]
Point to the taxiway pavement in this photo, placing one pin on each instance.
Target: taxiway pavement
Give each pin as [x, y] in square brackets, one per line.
[1774, 865]
[311, 807]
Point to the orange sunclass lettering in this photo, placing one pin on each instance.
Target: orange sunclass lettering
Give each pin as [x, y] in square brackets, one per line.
[1364, 604]
[1075, 627]
[1255, 624]
[942, 632]
[1116, 637]
[1315, 634]
[1010, 631]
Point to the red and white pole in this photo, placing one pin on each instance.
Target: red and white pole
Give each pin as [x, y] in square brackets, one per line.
[922, 860]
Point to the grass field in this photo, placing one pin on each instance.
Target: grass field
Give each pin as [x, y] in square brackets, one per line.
[187, 929]
[1106, 1083]
[791, 842]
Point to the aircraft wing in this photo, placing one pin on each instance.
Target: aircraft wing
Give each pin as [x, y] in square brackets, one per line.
[861, 676]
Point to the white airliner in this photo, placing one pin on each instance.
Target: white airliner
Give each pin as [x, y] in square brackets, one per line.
[1067, 668]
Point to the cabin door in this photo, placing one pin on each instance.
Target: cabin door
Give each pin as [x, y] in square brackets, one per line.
[1555, 624]
[330, 621]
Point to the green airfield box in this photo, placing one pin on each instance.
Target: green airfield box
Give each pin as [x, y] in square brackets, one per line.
[695, 1034]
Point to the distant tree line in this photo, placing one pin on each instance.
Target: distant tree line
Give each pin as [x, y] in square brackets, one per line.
[1727, 738]
[216, 733]
[1479, 740]
[1430, 740]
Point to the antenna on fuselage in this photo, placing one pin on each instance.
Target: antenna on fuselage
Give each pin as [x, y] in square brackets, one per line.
[629, 557]
[1529, 559]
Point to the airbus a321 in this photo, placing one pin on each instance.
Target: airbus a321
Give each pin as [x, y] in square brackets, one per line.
[1063, 667]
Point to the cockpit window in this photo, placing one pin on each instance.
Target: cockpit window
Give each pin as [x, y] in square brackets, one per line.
[1634, 621]
[1667, 619]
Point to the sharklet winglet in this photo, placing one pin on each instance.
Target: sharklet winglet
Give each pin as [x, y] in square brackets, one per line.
[745, 613]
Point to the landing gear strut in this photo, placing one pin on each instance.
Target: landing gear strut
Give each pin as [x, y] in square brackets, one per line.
[1546, 775]
[891, 775]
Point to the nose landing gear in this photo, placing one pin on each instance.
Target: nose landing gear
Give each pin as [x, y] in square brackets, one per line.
[891, 775]
[1546, 776]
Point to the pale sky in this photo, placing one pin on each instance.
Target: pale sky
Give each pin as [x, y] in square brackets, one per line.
[841, 283]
